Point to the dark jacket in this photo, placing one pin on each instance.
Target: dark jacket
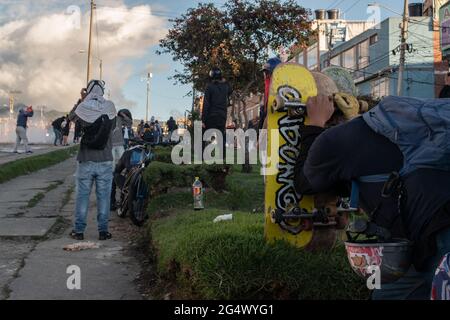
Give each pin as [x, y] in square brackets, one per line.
[171, 124]
[330, 160]
[66, 128]
[216, 101]
[22, 118]
[57, 124]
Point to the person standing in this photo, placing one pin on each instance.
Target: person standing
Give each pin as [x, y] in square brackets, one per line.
[78, 128]
[124, 118]
[57, 130]
[95, 160]
[172, 126]
[66, 131]
[158, 131]
[21, 129]
[216, 102]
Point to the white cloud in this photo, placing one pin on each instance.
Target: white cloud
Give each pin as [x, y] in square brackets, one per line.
[40, 55]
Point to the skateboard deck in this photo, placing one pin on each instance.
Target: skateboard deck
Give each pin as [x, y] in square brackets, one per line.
[290, 216]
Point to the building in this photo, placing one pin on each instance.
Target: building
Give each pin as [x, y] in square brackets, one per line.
[253, 105]
[373, 57]
[331, 32]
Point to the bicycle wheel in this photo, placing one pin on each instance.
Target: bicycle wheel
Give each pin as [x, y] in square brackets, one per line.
[124, 195]
[138, 199]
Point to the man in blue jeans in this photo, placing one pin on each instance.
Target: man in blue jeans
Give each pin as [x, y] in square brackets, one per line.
[95, 160]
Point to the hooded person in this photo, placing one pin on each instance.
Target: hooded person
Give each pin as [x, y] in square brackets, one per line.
[97, 117]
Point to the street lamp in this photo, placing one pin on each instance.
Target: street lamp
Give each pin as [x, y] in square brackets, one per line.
[148, 78]
[100, 60]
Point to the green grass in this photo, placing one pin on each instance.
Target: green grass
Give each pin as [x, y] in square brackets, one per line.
[231, 259]
[31, 164]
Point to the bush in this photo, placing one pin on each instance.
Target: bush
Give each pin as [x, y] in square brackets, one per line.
[162, 176]
[231, 260]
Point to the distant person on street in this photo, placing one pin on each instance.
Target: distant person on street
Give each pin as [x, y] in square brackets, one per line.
[172, 126]
[216, 102]
[57, 130]
[150, 134]
[140, 128]
[158, 131]
[21, 129]
[66, 131]
[95, 160]
[124, 118]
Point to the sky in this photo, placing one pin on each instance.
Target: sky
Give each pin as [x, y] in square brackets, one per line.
[41, 40]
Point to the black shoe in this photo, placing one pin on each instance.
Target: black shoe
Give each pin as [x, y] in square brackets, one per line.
[77, 236]
[104, 236]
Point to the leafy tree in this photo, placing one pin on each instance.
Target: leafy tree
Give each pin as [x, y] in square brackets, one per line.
[236, 38]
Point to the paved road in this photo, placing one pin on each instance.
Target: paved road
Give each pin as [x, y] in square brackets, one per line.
[7, 155]
[34, 230]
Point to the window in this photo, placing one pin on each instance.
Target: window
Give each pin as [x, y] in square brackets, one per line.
[380, 87]
[373, 39]
[363, 54]
[349, 59]
[336, 60]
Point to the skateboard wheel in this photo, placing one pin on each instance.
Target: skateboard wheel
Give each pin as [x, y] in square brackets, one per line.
[278, 103]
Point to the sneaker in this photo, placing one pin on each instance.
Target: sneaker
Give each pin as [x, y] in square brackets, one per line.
[77, 236]
[104, 236]
[29, 152]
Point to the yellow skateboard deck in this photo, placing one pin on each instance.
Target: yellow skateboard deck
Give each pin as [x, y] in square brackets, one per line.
[287, 79]
[292, 84]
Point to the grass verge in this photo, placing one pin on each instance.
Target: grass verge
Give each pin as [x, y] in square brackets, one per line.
[31, 164]
[198, 259]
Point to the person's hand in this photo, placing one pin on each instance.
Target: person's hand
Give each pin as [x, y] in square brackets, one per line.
[319, 109]
[348, 104]
[203, 125]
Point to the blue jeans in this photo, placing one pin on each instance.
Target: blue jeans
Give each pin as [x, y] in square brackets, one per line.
[416, 285]
[102, 174]
[58, 136]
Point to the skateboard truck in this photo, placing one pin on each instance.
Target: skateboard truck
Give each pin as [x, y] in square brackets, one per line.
[293, 106]
[297, 219]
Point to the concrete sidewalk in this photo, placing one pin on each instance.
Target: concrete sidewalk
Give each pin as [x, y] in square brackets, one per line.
[7, 155]
[33, 264]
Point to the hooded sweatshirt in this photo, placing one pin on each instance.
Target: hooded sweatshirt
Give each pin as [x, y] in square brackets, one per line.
[93, 107]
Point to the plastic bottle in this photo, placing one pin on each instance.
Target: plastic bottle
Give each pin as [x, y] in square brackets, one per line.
[197, 191]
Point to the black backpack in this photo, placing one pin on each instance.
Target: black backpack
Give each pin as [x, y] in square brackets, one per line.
[96, 135]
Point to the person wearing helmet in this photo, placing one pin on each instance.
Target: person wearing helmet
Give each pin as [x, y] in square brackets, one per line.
[268, 68]
[216, 102]
[332, 158]
[124, 119]
[97, 117]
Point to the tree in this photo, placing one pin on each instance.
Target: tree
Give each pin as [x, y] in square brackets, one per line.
[236, 38]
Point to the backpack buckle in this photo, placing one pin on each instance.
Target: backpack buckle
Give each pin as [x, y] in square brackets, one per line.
[392, 185]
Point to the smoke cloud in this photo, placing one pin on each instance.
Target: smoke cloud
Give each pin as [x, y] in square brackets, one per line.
[40, 49]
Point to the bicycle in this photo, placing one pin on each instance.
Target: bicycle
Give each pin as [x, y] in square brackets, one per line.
[134, 195]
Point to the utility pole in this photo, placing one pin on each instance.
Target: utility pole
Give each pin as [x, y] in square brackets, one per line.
[403, 45]
[149, 76]
[89, 64]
